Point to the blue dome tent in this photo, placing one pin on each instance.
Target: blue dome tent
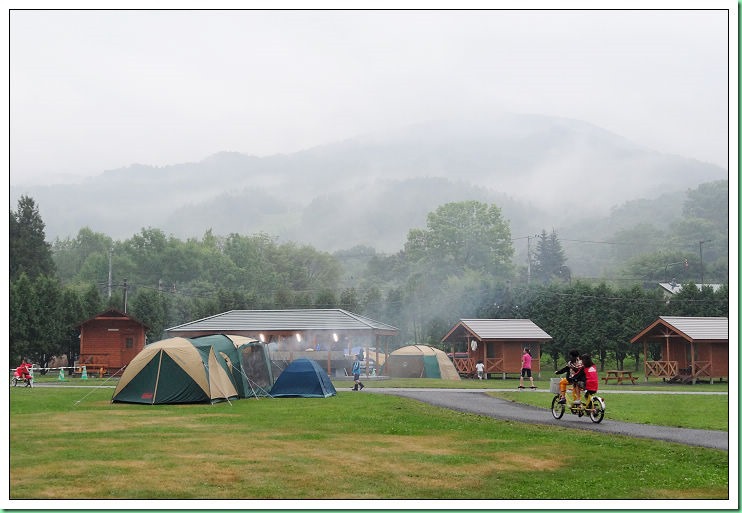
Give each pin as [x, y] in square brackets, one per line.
[303, 378]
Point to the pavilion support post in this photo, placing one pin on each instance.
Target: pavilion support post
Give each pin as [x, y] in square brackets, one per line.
[692, 363]
[667, 348]
[329, 364]
[538, 351]
[667, 351]
[484, 352]
[386, 352]
[501, 347]
[646, 375]
[376, 347]
[366, 355]
[711, 367]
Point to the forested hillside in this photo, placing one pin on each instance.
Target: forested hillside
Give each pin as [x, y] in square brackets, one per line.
[461, 261]
[543, 172]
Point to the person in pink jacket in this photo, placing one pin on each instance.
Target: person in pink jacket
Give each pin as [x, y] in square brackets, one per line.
[591, 375]
[525, 368]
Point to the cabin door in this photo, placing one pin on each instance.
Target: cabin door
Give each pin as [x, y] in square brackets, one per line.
[128, 348]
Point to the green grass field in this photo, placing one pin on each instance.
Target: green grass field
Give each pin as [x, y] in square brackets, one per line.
[72, 443]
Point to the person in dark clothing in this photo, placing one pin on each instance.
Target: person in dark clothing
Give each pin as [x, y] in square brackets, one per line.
[572, 369]
[357, 385]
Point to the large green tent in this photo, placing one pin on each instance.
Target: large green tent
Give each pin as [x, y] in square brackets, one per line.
[204, 369]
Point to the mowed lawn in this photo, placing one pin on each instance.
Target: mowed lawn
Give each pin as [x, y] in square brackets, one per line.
[684, 411]
[72, 443]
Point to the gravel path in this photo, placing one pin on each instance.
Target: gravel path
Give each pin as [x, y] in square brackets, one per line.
[478, 402]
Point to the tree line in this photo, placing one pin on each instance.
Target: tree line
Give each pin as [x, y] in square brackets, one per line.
[459, 266]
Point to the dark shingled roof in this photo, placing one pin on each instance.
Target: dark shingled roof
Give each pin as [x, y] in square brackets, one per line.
[285, 320]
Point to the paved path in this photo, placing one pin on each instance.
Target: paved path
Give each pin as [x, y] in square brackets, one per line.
[478, 402]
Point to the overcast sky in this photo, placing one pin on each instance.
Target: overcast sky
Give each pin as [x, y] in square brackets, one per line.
[98, 90]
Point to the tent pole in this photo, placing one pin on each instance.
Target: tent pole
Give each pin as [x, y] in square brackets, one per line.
[329, 366]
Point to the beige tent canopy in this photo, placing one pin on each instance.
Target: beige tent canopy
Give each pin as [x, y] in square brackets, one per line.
[420, 361]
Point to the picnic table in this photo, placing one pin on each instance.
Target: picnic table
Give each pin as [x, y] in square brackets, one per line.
[620, 376]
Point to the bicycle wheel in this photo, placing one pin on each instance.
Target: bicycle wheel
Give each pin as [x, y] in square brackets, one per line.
[597, 410]
[557, 408]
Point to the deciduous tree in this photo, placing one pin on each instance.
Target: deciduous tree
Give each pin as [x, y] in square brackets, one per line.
[460, 236]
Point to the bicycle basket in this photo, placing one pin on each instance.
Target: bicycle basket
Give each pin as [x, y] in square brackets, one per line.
[554, 385]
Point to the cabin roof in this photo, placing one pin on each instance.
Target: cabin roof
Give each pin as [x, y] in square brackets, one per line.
[500, 329]
[112, 315]
[693, 329]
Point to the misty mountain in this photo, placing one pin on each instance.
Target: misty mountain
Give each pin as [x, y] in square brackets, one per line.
[543, 172]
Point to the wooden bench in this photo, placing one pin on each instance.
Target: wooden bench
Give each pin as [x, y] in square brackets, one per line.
[620, 376]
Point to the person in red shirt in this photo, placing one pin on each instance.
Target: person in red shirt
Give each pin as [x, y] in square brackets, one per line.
[23, 373]
[591, 375]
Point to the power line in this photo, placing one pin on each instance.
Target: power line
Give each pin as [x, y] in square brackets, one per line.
[449, 296]
[619, 243]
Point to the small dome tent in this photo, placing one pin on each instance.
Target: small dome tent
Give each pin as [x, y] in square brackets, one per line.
[199, 370]
[419, 361]
[303, 378]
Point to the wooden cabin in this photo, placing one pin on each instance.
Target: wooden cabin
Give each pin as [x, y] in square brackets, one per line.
[690, 348]
[498, 343]
[108, 342]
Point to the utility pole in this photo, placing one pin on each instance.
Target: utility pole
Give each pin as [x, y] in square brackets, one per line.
[126, 288]
[529, 260]
[110, 255]
[700, 250]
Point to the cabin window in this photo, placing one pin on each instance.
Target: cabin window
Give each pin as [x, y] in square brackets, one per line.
[129, 343]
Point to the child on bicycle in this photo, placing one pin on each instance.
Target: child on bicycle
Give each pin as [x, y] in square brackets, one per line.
[22, 372]
[591, 375]
[572, 369]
